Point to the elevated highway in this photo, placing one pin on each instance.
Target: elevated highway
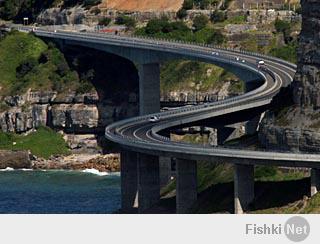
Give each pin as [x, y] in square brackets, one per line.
[143, 141]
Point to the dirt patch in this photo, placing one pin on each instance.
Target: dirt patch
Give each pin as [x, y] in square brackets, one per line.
[142, 6]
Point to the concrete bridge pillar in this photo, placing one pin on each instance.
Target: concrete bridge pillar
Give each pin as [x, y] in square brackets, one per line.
[315, 181]
[165, 170]
[148, 166]
[186, 189]
[148, 181]
[165, 164]
[129, 181]
[243, 187]
[149, 88]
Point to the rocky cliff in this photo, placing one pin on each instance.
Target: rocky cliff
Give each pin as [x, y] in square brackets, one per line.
[80, 117]
[297, 126]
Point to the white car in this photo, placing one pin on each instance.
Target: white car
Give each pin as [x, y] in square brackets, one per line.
[237, 58]
[243, 61]
[154, 119]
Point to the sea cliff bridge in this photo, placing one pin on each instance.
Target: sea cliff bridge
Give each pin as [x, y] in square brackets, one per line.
[147, 148]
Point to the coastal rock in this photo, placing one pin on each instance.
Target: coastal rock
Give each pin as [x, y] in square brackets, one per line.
[75, 116]
[297, 126]
[58, 16]
[15, 160]
[102, 163]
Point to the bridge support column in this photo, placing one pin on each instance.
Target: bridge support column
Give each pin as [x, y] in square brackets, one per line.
[148, 181]
[243, 187]
[186, 189]
[165, 167]
[165, 170]
[129, 181]
[149, 88]
[315, 181]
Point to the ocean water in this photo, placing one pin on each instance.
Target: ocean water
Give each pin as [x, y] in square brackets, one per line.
[58, 192]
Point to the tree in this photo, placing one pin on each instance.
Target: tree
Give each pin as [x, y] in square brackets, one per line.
[218, 16]
[182, 13]
[200, 22]
[216, 38]
[187, 4]
[129, 22]
[104, 21]
[155, 26]
[284, 27]
[204, 4]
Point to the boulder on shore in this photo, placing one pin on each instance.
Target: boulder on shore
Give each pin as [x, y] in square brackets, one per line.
[15, 159]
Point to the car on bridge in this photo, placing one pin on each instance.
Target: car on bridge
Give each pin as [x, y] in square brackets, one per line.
[154, 119]
[260, 63]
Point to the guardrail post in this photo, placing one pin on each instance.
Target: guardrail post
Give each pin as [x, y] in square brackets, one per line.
[129, 181]
[186, 188]
[315, 181]
[243, 187]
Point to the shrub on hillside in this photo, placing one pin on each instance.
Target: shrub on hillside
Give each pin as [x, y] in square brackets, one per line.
[200, 21]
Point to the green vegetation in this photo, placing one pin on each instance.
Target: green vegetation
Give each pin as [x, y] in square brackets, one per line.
[18, 9]
[283, 27]
[128, 21]
[28, 62]
[287, 52]
[202, 4]
[178, 30]
[200, 22]
[42, 143]
[218, 16]
[187, 75]
[104, 21]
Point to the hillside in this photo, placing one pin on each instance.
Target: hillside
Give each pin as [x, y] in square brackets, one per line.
[143, 6]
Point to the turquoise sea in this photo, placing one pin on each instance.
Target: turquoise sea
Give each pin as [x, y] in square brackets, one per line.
[58, 192]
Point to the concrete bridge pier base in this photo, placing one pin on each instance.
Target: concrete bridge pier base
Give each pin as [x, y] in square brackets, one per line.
[148, 181]
[243, 187]
[186, 189]
[315, 181]
[129, 181]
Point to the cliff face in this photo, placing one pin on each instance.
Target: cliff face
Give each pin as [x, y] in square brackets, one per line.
[81, 117]
[297, 127]
[307, 81]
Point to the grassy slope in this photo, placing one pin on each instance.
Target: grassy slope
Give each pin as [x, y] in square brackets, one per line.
[42, 143]
[185, 75]
[49, 69]
[15, 49]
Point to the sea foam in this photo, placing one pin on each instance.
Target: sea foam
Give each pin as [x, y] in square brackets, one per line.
[7, 169]
[95, 171]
